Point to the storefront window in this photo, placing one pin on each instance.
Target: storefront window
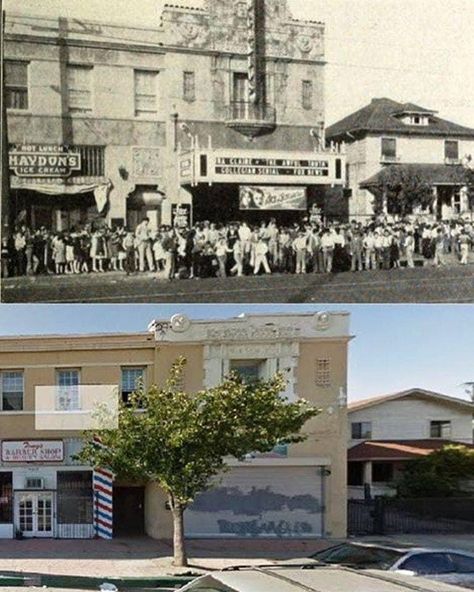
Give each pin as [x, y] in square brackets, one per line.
[16, 85]
[146, 102]
[79, 86]
[6, 498]
[75, 502]
[12, 391]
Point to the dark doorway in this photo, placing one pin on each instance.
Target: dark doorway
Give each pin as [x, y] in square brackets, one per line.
[129, 511]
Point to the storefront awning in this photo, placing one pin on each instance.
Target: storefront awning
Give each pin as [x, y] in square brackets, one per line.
[433, 174]
[100, 189]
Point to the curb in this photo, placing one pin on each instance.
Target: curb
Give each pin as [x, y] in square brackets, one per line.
[94, 583]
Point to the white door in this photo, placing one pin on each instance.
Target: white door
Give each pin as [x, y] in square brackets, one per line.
[260, 502]
[34, 514]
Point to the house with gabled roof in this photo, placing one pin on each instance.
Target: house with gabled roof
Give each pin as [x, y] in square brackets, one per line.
[386, 134]
[386, 432]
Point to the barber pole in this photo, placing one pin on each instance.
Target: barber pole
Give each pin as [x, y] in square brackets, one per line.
[102, 482]
[102, 485]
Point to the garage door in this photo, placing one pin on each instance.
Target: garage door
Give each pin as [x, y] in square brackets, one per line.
[260, 502]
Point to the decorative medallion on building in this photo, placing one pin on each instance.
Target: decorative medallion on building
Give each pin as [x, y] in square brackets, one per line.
[189, 30]
[180, 323]
[146, 162]
[322, 321]
[305, 43]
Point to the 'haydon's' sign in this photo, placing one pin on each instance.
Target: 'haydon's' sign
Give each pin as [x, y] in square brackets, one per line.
[44, 161]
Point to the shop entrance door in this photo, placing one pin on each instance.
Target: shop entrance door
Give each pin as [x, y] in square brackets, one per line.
[34, 514]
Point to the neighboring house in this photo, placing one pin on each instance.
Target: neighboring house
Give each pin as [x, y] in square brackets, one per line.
[46, 386]
[386, 432]
[204, 106]
[387, 134]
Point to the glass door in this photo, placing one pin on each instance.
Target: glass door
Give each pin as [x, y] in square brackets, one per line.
[35, 514]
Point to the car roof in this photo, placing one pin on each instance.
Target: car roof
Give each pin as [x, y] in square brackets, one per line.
[408, 547]
[320, 579]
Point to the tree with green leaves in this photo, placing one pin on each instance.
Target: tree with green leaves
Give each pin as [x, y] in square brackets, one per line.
[439, 474]
[404, 189]
[181, 440]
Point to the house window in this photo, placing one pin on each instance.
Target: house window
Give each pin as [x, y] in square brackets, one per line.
[79, 88]
[16, 85]
[6, 498]
[74, 497]
[323, 373]
[440, 429]
[189, 86]
[132, 379]
[451, 149]
[146, 99]
[12, 391]
[389, 148]
[382, 472]
[361, 430]
[67, 390]
[250, 371]
[307, 94]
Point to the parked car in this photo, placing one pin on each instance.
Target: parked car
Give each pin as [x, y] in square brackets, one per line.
[311, 577]
[445, 565]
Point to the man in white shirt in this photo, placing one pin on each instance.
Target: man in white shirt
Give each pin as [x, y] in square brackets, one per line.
[143, 234]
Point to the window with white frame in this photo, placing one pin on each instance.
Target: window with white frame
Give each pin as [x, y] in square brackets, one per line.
[250, 371]
[16, 85]
[11, 384]
[146, 98]
[440, 429]
[79, 88]
[67, 390]
[361, 430]
[132, 379]
[323, 373]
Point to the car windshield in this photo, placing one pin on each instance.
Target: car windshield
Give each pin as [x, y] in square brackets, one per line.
[359, 556]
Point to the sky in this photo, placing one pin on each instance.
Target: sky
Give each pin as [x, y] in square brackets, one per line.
[418, 51]
[395, 347]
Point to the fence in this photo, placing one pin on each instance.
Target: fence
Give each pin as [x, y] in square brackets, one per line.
[411, 516]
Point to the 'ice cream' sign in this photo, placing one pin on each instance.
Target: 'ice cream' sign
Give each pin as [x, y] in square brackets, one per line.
[44, 161]
[32, 451]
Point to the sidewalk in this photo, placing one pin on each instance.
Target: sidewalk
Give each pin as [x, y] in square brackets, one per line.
[141, 556]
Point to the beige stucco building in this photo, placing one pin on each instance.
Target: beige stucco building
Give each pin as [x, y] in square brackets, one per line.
[45, 493]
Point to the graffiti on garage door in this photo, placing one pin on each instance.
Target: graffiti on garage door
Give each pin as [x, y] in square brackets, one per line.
[258, 528]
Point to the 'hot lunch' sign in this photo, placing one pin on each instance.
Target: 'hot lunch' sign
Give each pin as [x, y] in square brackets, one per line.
[44, 160]
[32, 451]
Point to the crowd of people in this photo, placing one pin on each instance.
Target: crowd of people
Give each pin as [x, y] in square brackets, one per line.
[238, 248]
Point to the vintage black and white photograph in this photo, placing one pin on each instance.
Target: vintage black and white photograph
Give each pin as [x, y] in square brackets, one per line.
[220, 151]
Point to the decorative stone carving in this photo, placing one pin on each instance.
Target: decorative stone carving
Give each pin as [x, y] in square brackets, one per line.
[252, 333]
[146, 162]
[322, 321]
[304, 43]
[180, 323]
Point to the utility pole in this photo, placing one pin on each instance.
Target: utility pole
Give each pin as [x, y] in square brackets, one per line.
[469, 387]
[5, 205]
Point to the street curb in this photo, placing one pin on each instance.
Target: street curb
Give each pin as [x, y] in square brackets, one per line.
[94, 583]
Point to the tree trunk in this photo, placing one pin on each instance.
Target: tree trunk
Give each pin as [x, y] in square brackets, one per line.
[179, 548]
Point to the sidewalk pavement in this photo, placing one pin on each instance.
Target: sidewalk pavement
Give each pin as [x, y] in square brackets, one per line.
[145, 557]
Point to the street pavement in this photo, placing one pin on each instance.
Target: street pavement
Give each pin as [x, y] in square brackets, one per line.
[453, 284]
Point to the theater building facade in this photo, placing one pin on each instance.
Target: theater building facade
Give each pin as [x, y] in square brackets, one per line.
[297, 491]
[211, 113]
